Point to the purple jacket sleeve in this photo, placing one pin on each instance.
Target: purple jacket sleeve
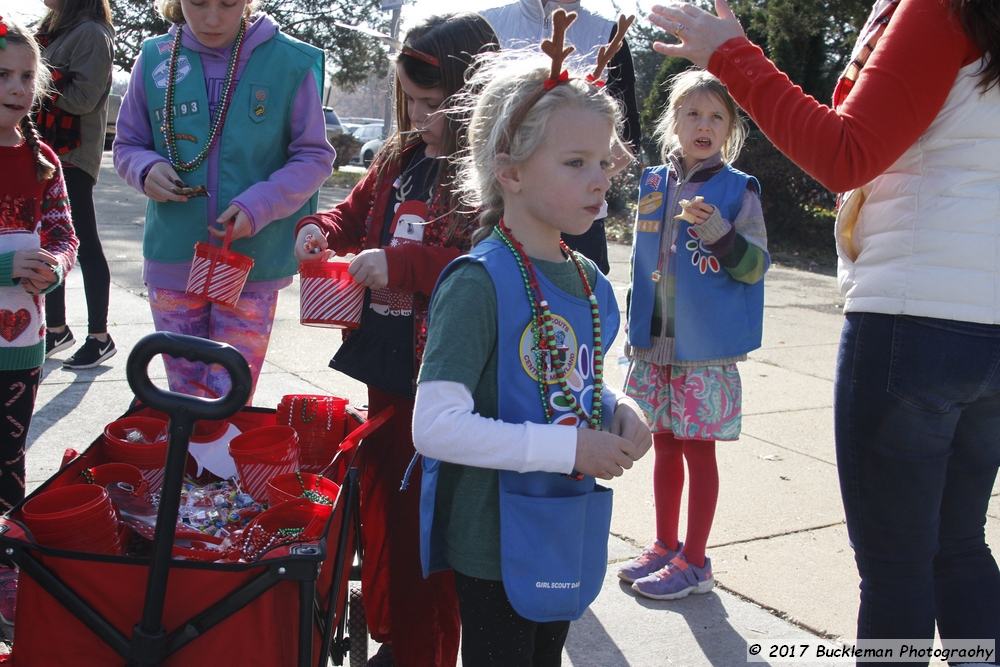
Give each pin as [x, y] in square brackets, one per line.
[133, 148]
[310, 163]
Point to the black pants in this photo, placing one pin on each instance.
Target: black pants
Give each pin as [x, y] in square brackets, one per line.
[17, 396]
[494, 635]
[592, 244]
[90, 257]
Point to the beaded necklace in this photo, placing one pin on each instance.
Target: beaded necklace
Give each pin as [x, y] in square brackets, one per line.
[228, 87]
[544, 335]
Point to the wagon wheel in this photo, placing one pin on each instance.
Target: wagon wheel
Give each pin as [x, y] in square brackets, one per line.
[357, 627]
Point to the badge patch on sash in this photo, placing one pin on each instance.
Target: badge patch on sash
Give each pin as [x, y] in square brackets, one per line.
[162, 71]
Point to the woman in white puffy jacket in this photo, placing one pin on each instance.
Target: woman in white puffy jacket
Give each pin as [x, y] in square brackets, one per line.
[913, 140]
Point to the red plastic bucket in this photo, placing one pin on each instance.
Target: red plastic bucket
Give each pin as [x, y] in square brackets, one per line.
[329, 297]
[117, 473]
[218, 274]
[148, 458]
[319, 421]
[263, 453]
[78, 517]
[297, 485]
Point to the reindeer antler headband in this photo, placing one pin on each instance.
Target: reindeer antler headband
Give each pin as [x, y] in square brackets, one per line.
[555, 48]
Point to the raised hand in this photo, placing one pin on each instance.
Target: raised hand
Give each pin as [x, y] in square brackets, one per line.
[699, 33]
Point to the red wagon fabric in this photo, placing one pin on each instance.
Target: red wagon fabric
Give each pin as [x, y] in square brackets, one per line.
[85, 609]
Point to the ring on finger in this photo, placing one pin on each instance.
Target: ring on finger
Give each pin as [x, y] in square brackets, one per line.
[677, 30]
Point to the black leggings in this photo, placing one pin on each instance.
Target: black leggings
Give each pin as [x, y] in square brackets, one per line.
[17, 400]
[494, 635]
[90, 257]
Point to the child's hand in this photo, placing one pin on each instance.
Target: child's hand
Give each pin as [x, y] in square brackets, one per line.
[370, 268]
[695, 211]
[602, 455]
[161, 180]
[34, 266]
[629, 422]
[242, 227]
[311, 245]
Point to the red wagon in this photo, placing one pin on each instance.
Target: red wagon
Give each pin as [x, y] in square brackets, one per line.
[288, 608]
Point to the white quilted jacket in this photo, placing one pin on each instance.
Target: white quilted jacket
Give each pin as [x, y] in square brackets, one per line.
[927, 238]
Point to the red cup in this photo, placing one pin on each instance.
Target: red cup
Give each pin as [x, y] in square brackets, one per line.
[78, 517]
[319, 421]
[148, 458]
[218, 274]
[329, 297]
[263, 453]
[121, 473]
[295, 485]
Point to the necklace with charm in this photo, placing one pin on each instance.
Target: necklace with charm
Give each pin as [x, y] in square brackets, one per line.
[228, 86]
[543, 334]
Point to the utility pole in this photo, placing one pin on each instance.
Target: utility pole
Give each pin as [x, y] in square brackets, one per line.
[396, 7]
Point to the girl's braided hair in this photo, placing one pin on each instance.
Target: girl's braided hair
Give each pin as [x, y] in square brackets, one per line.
[17, 34]
[44, 169]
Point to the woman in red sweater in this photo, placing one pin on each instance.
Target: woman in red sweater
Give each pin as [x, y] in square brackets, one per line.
[913, 140]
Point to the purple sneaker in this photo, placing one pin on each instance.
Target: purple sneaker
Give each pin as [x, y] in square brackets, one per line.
[655, 557]
[677, 580]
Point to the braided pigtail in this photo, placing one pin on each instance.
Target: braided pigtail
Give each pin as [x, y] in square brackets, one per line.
[44, 169]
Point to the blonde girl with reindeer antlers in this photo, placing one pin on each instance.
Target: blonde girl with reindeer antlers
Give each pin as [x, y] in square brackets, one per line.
[37, 248]
[511, 402]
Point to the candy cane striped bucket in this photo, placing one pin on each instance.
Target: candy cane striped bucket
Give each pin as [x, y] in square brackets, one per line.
[218, 274]
[329, 296]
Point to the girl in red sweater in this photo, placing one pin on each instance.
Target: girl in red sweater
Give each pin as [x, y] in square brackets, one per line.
[404, 224]
[37, 248]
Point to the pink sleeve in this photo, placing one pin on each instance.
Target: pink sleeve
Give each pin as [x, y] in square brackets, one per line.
[898, 94]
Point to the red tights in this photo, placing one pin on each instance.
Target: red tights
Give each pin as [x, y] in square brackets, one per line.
[703, 492]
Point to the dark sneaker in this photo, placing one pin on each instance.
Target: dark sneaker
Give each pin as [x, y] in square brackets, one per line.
[57, 342]
[8, 601]
[381, 659]
[91, 354]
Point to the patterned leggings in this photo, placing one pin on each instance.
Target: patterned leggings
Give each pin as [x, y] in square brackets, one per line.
[247, 327]
[17, 396]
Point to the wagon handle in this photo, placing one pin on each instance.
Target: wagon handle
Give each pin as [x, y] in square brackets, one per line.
[149, 636]
[192, 349]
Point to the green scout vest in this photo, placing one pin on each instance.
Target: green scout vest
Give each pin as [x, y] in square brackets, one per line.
[253, 145]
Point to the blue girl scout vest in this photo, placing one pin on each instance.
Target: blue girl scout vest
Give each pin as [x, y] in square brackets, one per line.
[716, 317]
[553, 529]
[253, 145]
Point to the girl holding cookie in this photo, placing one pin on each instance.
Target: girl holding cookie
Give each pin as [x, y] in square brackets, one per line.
[696, 309]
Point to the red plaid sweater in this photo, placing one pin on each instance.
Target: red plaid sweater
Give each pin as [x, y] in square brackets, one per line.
[27, 206]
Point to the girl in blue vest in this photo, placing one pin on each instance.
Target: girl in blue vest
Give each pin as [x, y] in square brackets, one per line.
[510, 402]
[245, 121]
[696, 308]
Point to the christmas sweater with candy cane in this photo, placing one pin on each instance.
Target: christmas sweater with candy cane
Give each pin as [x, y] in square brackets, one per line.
[32, 214]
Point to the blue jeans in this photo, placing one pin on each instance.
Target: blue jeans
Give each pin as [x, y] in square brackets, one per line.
[917, 421]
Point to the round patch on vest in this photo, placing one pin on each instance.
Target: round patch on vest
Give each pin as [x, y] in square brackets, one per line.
[650, 203]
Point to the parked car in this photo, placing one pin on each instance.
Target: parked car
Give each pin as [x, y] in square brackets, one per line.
[333, 125]
[372, 137]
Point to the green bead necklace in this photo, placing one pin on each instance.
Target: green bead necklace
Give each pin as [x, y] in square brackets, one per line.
[228, 87]
[543, 333]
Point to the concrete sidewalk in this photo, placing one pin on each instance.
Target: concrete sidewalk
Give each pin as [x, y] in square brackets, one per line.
[779, 546]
